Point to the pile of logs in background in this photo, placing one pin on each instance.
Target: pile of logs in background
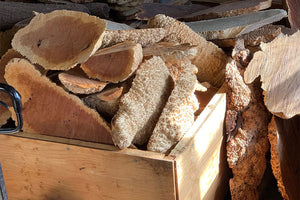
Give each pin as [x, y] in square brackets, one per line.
[262, 76]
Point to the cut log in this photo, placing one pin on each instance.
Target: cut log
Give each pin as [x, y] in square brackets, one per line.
[80, 85]
[114, 64]
[49, 110]
[254, 38]
[142, 36]
[13, 12]
[210, 61]
[247, 128]
[231, 27]
[178, 114]
[141, 107]
[278, 67]
[229, 9]
[149, 10]
[293, 11]
[275, 162]
[60, 39]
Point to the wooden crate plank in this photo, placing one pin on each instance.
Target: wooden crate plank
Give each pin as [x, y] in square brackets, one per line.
[200, 155]
[35, 169]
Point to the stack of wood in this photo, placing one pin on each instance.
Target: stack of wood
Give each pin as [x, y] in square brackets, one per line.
[141, 88]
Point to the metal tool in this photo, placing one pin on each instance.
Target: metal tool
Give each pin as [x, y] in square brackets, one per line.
[16, 102]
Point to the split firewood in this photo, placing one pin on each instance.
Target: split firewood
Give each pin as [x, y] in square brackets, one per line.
[278, 67]
[149, 10]
[141, 107]
[178, 114]
[293, 11]
[81, 85]
[48, 109]
[60, 39]
[114, 64]
[275, 162]
[106, 103]
[142, 36]
[210, 61]
[247, 128]
[13, 12]
[264, 34]
[229, 9]
[231, 27]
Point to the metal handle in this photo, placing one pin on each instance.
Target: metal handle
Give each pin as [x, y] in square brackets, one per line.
[16, 101]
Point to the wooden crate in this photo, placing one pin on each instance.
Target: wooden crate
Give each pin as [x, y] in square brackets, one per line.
[42, 167]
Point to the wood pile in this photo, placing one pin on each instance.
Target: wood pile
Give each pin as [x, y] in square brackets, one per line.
[142, 83]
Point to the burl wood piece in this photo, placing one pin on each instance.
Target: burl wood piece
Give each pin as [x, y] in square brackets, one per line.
[210, 61]
[278, 67]
[231, 27]
[61, 39]
[229, 9]
[247, 128]
[81, 85]
[49, 110]
[114, 64]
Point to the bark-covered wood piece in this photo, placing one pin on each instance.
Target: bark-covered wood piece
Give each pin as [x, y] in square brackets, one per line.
[149, 10]
[142, 36]
[114, 64]
[210, 61]
[247, 128]
[81, 85]
[229, 9]
[254, 38]
[278, 67]
[275, 162]
[49, 110]
[231, 27]
[61, 39]
[13, 12]
[293, 11]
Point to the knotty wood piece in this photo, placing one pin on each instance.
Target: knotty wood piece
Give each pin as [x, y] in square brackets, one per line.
[45, 104]
[210, 61]
[142, 36]
[60, 39]
[46, 171]
[231, 27]
[115, 63]
[202, 172]
[149, 10]
[228, 10]
[13, 12]
[81, 85]
[278, 67]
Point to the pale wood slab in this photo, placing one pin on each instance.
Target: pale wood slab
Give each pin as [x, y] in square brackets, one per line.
[229, 9]
[46, 170]
[230, 27]
[278, 67]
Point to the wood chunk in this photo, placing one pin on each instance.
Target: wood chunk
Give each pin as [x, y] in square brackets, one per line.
[246, 126]
[278, 67]
[275, 162]
[49, 110]
[111, 94]
[114, 64]
[13, 12]
[231, 27]
[149, 10]
[178, 114]
[60, 39]
[229, 9]
[142, 36]
[210, 61]
[264, 34]
[293, 11]
[140, 108]
[81, 85]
